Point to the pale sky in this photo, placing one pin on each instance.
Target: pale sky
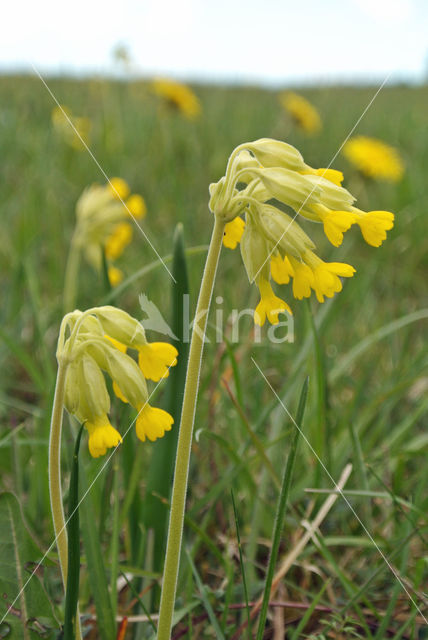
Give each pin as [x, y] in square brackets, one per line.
[260, 41]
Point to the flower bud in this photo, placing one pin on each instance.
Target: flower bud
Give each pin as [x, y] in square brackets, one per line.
[288, 187]
[332, 196]
[254, 250]
[283, 231]
[121, 326]
[273, 153]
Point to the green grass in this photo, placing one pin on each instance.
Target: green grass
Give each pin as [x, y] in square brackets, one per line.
[364, 354]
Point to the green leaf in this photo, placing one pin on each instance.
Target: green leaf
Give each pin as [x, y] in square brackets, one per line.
[162, 464]
[23, 596]
[281, 508]
[96, 571]
[72, 590]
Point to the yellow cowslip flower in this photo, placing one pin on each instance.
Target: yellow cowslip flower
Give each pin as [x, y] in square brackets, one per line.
[102, 213]
[302, 111]
[178, 96]
[273, 245]
[374, 158]
[119, 188]
[136, 205]
[115, 275]
[94, 342]
[66, 125]
[120, 237]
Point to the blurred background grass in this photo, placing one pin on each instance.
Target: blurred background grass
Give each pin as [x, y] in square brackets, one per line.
[367, 408]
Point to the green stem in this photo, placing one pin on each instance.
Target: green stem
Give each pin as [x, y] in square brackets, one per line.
[55, 470]
[55, 490]
[71, 275]
[181, 473]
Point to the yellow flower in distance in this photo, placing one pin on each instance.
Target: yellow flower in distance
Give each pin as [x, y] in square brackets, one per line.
[115, 276]
[120, 237]
[178, 96]
[260, 177]
[136, 205]
[302, 111]
[75, 131]
[374, 158]
[103, 216]
[95, 342]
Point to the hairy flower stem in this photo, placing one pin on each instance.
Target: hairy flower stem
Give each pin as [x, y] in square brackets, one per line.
[55, 490]
[179, 489]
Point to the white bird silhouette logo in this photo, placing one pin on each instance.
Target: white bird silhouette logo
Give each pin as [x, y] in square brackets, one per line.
[154, 320]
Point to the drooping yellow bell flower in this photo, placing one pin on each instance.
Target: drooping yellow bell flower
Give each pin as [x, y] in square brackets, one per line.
[260, 178]
[95, 342]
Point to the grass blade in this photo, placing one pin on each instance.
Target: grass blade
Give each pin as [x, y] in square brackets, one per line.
[244, 581]
[96, 571]
[280, 512]
[72, 589]
[162, 465]
[206, 603]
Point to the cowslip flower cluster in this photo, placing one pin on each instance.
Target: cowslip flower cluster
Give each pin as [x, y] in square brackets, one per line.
[374, 159]
[179, 96]
[103, 213]
[259, 176]
[62, 117]
[95, 342]
[304, 114]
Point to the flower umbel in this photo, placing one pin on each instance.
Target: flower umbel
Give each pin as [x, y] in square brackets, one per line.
[302, 111]
[261, 178]
[97, 343]
[374, 158]
[179, 96]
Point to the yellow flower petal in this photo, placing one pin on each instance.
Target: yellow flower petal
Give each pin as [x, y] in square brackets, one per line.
[136, 205]
[327, 282]
[115, 276]
[116, 343]
[118, 392]
[269, 306]
[281, 269]
[102, 435]
[331, 174]
[374, 226]
[233, 233]
[303, 280]
[336, 223]
[119, 188]
[156, 358]
[152, 423]
[118, 240]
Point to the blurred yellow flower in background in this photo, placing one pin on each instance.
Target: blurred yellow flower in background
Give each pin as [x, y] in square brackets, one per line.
[178, 96]
[302, 111]
[374, 158]
[70, 127]
[103, 215]
[115, 275]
